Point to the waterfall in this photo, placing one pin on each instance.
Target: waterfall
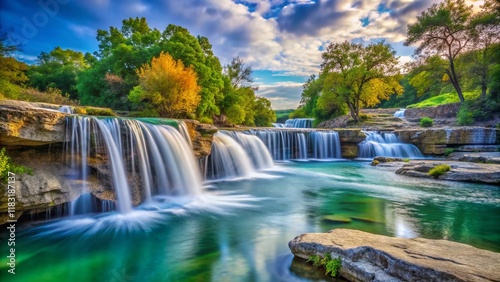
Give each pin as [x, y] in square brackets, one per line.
[387, 145]
[400, 113]
[67, 109]
[155, 155]
[254, 148]
[289, 144]
[228, 159]
[299, 123]
[278, 125]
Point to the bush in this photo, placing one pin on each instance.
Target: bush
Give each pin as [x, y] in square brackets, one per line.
[144, 113]
[364, 117]
[439, 170]
[465, 116]
[6, 166]
[206, 120]
[426, 122]
[51, 95]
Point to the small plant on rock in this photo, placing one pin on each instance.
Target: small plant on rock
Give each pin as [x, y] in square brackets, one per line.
[426, 122]
[332, 266]
[448, 151]
[439, 170]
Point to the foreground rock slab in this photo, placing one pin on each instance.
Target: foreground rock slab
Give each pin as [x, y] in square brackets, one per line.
[371, 257]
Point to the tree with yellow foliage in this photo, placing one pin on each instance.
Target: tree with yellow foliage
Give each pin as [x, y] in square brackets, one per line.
[167, 87]
[359, 76]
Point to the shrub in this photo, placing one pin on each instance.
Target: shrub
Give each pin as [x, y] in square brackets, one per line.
[6, 166]
[364, 117]
[144, 113]
[332, 266]
[51, 95]
[426, 122]
[465, 115]
[206, 120]
[439, 170]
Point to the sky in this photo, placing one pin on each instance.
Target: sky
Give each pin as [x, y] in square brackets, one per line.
[281, 39]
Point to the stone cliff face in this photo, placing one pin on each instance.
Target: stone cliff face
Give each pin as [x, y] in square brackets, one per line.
[436, 141]
[27, 124]
[443, 111]
[35, 133]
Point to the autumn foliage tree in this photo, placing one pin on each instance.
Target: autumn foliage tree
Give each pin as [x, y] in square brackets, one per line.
[359, 76]
[167, 87]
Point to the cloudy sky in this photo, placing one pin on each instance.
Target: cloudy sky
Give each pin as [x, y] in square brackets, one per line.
[281, 40]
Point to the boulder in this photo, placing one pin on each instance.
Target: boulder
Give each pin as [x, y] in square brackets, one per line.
[370, 257]
[29, 124]
[201, 137]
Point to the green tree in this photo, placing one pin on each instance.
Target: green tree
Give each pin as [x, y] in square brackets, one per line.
[58, 69]
[12, 72]
[359, 76]
[443, 29]
[264, 114]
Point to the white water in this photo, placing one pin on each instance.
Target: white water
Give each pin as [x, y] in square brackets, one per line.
[157, 155]
[299, 123]
[400, 113]
[290, 144]
[67, 109]
[227, 160]
[387, 145]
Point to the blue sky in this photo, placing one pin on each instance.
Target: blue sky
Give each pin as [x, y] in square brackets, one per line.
[281, 39]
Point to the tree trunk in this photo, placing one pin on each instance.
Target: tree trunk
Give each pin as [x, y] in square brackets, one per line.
[454, 81]
[352, 111]
[483, 86]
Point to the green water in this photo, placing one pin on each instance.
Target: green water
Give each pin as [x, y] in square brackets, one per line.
[219, 239]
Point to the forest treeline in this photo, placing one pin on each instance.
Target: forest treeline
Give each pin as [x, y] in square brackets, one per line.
[153, 73]
[172, 73]
[458, 52]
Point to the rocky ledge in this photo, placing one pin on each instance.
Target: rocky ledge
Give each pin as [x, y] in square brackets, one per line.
[471, 167]
[370, 257]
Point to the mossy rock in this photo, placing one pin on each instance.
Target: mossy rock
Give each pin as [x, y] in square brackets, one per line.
[337, 218]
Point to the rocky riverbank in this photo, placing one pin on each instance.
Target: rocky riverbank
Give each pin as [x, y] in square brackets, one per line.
[370, 257]
[464, 167]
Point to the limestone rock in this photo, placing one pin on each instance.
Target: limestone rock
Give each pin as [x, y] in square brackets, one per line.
[460, 171]
[28, 124]
[201, 137]
[442, 111]
[370, 257]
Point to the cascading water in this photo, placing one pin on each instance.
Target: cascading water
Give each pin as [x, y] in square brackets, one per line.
[299, 123]
[227, 159]
[278, 125]
[387, 145]
[286, 145]
[400, 113]
[155, 154]
[67, 109]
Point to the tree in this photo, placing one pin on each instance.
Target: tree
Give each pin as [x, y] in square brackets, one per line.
[264, 115]
[239, 74]
[360, 76]
[58, 69]
[169, 87]
[12, 72]
[479, 63]
[443, 30]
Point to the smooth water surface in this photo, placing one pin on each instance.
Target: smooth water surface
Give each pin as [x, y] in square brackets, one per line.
[239, 231]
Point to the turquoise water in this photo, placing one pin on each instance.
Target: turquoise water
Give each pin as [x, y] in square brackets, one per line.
[240, 230]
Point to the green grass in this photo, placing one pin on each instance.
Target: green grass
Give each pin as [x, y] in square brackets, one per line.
[447, 98]
[439, 170]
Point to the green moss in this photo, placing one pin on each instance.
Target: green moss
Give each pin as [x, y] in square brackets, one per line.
[426, 122]
[99, 111]
[406, 160]
[439, 170]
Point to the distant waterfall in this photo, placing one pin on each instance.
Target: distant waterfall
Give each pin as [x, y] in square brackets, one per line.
[278, 125]
[156, 155]
[387, 145]
[235, 154]
[67, 109]
[299, 123]
[400, 113]
[286, 145]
